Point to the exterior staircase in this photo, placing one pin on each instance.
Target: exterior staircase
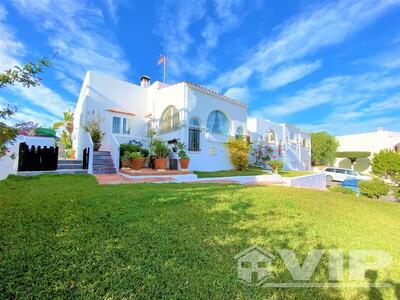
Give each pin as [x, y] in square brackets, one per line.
[102, 163]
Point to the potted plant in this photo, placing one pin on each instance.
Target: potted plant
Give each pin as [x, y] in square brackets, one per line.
[161, 150]
[152, 158]
[125, 160]
[70, 153]
[136, 160]
[93, 126]
[183, 157]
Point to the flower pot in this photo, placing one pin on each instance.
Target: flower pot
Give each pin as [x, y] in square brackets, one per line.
[70, 153]
[160, 163]
[125, 163]
[184, 163]
[96, 146]
[136, 163]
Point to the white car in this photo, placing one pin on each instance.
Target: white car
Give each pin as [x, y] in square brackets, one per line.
[341, 174]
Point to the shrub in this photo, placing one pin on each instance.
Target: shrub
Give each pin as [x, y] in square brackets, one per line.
[341, 190]
[239, 150]
[373, 188]
[386, 163]
[134, 155]
[276, 165]
[93, 126]
[130, 147]
[181, 151]
[353, 156]
[397, 194]
[160, 149]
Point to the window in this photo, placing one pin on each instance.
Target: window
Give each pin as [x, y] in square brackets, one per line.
[341, 171]
[304, 143]
[329, 170]
[194, 134]
[121, 125]
[218, 123]
[270, 137]
[116, 125]
[169, 120]
[348, 172]
[239, 131]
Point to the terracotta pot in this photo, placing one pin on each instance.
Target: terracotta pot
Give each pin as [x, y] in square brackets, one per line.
[136, 163]
[125, 163]
[160, 163]
[184, 163]
[96, 146]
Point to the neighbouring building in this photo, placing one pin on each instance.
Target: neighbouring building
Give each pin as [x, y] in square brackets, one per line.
[370, 142]
[203, 119]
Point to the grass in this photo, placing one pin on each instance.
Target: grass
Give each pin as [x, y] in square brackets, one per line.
[295, 173]
[228, 173]
[67, 237]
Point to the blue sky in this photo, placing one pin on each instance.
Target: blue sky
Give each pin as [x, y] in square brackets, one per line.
[323, 65]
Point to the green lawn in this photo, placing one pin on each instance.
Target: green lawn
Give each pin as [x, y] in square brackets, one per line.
[295, 173]
[67, 237]
[228, 173]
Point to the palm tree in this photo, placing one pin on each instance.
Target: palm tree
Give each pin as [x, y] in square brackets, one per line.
[67, 123]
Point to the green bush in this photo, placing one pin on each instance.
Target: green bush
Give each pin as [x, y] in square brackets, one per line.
[373, 188]
[386, 164]
[132, 148]
[276, 165]
[160, 149]
[134, 155]
[239, 151]
[397, 193]
[341, 190]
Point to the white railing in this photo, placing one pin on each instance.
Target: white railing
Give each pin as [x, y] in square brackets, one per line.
[115, 152]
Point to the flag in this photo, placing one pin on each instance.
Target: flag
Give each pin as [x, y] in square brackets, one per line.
[162, 60]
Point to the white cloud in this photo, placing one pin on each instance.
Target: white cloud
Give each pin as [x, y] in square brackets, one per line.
[186, 53]
[334, 91]
[305, 34]
[11, 52]
[240, 93]
[287, 74]
[77, 29]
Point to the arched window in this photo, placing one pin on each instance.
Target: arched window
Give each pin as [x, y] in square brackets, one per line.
[169, 119]
[218, 123]
[270, 137]
[304, 143]
[194, 122]
[239, 131]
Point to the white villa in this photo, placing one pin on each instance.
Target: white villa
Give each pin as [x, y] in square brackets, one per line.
[201, 118]
[372, 142]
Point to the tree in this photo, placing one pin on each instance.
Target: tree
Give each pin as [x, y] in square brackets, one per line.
[353, 156]
[239, 150]
[27, 75]
[386, 164]
[323, 148]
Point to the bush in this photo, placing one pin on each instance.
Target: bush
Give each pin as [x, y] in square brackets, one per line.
[132, 148]
[276, 165]
[323, 148]
[160, 149]
[134, 155]
[397, 194]
[341, 190]
[239, 151]
[373, 188]
[386, 163]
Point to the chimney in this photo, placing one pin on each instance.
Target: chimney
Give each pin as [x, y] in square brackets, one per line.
[145, 81]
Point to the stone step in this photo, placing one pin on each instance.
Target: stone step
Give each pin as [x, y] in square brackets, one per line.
[69, 166]
[100, 153]
[70, 161]
[104, 171]
[54, 172]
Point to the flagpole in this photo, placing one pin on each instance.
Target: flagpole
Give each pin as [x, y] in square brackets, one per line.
[165, 61]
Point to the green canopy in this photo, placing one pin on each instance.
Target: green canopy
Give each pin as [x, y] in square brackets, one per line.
[48, 132]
